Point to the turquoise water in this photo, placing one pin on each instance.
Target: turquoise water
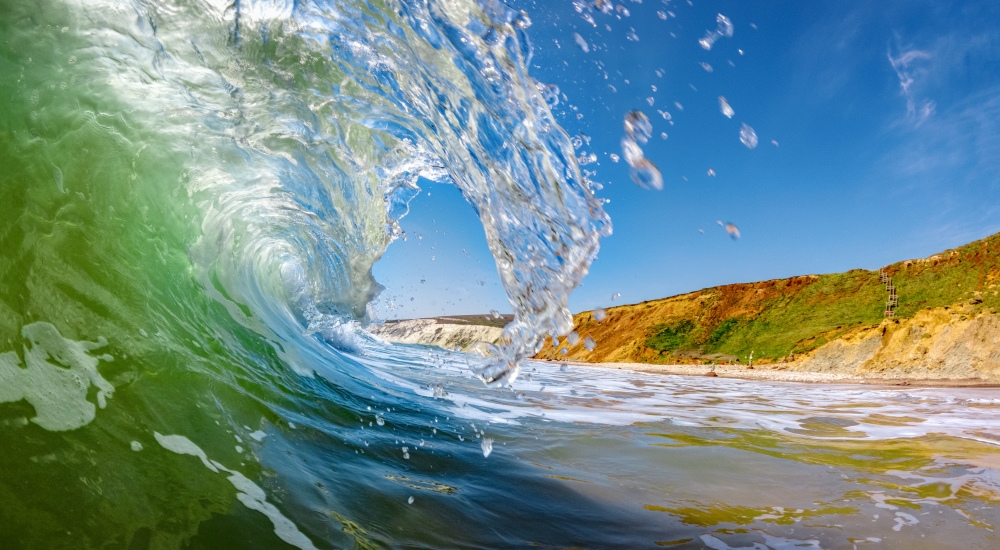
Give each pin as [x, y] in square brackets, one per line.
[193, 196]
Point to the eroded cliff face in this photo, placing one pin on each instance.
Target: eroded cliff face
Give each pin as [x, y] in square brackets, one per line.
[430, 332]
[939, 343]
[942, 322]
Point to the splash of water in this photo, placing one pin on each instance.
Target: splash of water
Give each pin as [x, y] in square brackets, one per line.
[638, 130]
[300, 130]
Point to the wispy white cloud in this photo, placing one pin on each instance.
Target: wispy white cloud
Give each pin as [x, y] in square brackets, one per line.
[909, 66]
[961, 144]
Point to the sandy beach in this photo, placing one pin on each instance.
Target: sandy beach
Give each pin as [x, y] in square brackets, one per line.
[783, 372]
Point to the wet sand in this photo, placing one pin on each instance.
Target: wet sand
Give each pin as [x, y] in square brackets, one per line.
[783, 372]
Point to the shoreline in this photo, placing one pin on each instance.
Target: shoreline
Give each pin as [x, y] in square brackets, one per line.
[774, 373]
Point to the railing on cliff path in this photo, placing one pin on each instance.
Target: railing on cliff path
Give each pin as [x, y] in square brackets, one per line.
[893, 301]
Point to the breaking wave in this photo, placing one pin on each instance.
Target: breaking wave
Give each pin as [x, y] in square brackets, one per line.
[193, 195]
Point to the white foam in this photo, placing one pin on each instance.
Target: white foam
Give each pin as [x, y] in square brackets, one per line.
[183, 446]
[248, 492]
[55, 382]
[253, 497]
[902, 519]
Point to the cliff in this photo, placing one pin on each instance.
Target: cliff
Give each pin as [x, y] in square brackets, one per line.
[460, 331]
[942, 322]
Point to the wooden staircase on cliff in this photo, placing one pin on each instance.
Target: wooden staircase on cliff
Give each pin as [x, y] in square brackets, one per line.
[893, 301]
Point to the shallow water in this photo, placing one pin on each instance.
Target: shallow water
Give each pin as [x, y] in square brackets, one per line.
[193, 196]
[585, 457]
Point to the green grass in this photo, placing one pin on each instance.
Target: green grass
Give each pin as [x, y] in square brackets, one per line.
[799, 318]
[672, 337]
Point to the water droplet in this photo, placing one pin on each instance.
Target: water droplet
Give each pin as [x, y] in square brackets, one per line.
[645, 174]
[589, 343]
[733, 231]
[637, 126]
[706, 66]
[614, 157]
[661, 15]
[748, 137]
[487, 446]
[409, 500]
[638, 129]
[379, 420]
[600, 314]
[550, 94]
[774, 142]
[136, 446]
[632, 36]
[724, 27]
[663, 135]
[604, 6]
[725, 108]
[581, 42]
[650, 100]
[711, 173]
[573, 338]
[631, 151]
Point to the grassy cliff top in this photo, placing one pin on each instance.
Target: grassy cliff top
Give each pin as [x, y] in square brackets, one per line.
[784, 316]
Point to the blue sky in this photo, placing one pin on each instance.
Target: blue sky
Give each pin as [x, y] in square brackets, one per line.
[886, 117]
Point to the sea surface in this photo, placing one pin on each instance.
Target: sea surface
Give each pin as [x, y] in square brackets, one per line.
[192, 196]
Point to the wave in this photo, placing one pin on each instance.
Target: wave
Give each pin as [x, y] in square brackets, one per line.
[296, 133]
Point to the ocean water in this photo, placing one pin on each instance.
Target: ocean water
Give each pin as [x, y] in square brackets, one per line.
[193, 195]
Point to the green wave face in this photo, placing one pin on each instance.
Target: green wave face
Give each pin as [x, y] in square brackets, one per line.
[193, 194]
